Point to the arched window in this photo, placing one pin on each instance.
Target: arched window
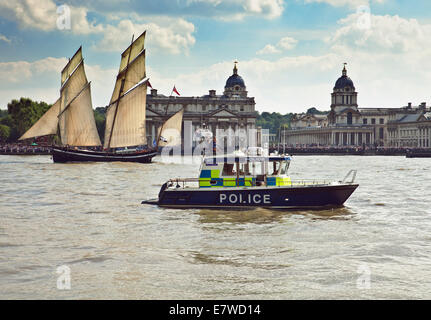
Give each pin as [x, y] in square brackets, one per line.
[349, 118]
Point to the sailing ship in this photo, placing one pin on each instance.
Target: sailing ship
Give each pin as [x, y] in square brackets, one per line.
[72, 117]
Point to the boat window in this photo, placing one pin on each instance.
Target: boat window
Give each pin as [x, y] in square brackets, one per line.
[284, 167]
[259, 168]
[244, 169]
[275, 167]
[228, 169]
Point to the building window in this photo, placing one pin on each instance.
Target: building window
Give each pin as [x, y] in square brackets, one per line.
[373, 121]
[349, 118]
[365, 121]
[381, 133]
[382, 121]
[204, 108]
[241, 108]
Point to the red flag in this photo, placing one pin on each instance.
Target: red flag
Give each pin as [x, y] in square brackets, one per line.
[175, 90]
[149, 84]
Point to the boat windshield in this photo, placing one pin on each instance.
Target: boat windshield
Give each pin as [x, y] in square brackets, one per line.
[278, 167]
[284, 167]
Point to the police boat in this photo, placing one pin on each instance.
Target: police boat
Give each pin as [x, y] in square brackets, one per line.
[242, 181]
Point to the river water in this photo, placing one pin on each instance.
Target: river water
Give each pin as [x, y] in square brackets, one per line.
[86, 223]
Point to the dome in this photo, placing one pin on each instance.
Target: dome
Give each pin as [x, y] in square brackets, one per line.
[235, 79]
[344, 81]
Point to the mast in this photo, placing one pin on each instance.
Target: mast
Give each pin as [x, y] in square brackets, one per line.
[125, 116]
[119, 94]
[76, 116]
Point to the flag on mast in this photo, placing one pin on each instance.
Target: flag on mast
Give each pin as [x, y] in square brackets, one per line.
[149, 84]
[175, 90]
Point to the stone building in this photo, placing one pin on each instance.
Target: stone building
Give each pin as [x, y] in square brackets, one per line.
[231, 110]
[410, 130]
[346, 124]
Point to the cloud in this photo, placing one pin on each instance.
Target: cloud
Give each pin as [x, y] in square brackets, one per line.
[227, 10]
[383, 33]
[350, 3]
[267, 8]
[40, 80]
[4, 38]
[173, 35]
[18, 71]
[286, 43]
[44, 14]
[268, 49]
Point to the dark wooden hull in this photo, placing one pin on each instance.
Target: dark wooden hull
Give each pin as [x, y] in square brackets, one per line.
[60, 155]
[288, 197]
[418, 154]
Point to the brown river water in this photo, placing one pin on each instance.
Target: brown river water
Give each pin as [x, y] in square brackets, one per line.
[88, 218]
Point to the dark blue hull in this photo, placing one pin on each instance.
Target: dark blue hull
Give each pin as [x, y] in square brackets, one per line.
[70, 155]
[276, 197]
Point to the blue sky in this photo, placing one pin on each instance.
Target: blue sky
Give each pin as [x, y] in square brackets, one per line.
[290, 52]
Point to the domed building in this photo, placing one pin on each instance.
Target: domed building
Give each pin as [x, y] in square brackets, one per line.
[231, 110]
[235, 86]
[344, 105]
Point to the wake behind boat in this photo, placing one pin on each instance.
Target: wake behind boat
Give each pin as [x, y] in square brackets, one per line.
[242, 181]
[72, 117]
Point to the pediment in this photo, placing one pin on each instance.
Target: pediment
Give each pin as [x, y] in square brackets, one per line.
[223, 113]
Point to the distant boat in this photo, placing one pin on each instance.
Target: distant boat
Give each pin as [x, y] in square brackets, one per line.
[418, 153]
[72, 117]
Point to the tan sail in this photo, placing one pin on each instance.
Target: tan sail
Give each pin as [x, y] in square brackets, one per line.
[46, 125]
[170, 132]
[76, 117]
[71, 65]
[134, 73]
[125, 117]
[129, 126]
[80, 126]
[136, 47]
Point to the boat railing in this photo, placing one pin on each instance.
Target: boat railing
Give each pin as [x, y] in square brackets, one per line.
[183, 182]
[194, 182]
[352, 174]
[308, 182]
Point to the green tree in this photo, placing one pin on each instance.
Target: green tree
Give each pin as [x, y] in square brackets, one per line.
[313, 110]
[23, 114]
[100, 117]
[273, 121]
[4, 133]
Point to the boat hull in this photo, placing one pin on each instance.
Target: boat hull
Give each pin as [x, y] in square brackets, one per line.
[65, 155]
[418, 154]
[277, 197]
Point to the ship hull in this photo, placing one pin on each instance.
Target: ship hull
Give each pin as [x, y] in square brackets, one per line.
[418, 154]
[312, 197]
[67, 155]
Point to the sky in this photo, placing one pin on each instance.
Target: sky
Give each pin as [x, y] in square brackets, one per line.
[289, 52]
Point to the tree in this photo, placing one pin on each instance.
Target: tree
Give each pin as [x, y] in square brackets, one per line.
[4, 133]
[313, 110]
[273, 121]
[23, 114]
[100, 117]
